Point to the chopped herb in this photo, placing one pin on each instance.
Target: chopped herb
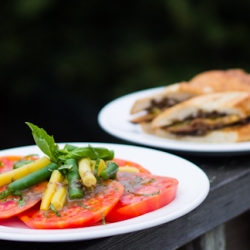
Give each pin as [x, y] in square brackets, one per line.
[52, 208]
[82, 205]
[149, 182]
[98, 180]
[46, 214]
[5, 194]
[103, 219]
[137, 194]
[21, 201]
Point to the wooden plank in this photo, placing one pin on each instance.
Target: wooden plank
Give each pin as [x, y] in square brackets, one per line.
[213, 239]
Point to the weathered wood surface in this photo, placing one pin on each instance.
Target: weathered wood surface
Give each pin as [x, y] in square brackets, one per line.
[228, 198]
[214, 239]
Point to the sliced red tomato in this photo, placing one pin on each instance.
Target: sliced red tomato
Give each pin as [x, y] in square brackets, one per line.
[124, 163]
[143, 193]
[14, 205]
[6, 162]
[79, 213]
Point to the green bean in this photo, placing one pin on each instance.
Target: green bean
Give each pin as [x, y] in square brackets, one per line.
[74, 180]
[33, 178]
[29, 180]
[110, 171]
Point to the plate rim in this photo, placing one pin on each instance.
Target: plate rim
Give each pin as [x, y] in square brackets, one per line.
[20, 234]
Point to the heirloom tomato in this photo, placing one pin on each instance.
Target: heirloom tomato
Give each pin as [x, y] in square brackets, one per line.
[78, 213]
[143, 193]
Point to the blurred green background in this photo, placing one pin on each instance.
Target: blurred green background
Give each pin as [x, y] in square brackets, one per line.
[62, 61]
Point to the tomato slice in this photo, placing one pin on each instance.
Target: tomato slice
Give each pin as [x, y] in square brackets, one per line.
[143, 193]
[13, 205]
[79, 213]
[124, 163]
[6, 162]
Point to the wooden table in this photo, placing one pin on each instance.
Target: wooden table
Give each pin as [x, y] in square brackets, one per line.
[206, 227]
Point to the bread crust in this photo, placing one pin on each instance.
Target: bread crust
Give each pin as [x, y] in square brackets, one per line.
[204, 83]
[224, 91]
[221, 80]
[231, 102]
[146, 127]
[179, 91]
[233, 134]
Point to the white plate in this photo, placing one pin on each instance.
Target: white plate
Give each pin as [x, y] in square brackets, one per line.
[192, 190]
[115, 118]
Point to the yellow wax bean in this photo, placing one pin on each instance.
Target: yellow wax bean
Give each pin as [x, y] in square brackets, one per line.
[56, 177]
[84, 168]
[128, 169]
[101, 167]
[15, 174]
[92, 164]
[89, 180]
[59, 198]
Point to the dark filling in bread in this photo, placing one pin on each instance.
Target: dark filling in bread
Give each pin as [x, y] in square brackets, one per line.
[162, 104]
[155, 108]
[202, 123]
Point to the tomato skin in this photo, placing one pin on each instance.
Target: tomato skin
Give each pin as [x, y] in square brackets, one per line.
[9, 207]
[123, 163]
[139, 198]
[121, 201]
[8, 161]
[79, 213]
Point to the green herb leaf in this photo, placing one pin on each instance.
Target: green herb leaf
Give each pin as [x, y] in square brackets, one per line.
[68, 167]
[78, 153]
[48, 146]
[45, 142]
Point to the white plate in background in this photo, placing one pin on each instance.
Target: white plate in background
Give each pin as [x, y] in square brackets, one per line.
[115, 118]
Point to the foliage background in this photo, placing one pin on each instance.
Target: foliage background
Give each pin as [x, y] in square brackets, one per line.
[62, 61]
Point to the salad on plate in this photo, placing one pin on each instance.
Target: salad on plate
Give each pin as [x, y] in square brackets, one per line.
[75, 187]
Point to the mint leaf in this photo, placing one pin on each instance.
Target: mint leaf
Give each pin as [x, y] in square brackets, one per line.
[45, 142]
[92, 153]
[47, 145]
